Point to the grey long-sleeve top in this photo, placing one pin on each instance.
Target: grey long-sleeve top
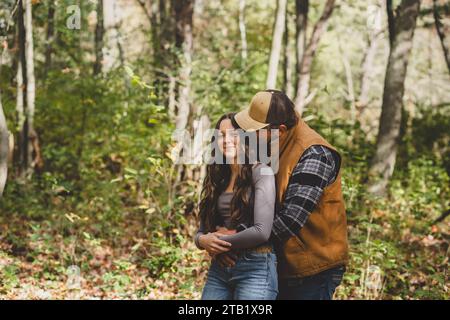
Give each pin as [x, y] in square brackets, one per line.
[264, 209]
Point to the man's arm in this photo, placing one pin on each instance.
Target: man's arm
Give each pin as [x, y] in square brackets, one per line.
[316, 169]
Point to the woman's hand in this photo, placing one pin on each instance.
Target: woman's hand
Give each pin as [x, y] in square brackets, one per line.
[211, 243]
[226, 259]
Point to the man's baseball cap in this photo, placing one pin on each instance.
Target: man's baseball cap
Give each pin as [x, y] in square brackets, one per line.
[268, 107]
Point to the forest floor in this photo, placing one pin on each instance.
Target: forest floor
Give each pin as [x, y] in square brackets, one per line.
[102, 272]
[40, 267]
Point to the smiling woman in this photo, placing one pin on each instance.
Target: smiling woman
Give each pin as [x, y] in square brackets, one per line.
[236, 195]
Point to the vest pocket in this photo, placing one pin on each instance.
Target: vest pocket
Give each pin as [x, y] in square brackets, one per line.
[294, 244]
[295, 255]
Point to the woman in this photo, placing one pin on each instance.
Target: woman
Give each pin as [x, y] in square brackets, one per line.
[236, 195]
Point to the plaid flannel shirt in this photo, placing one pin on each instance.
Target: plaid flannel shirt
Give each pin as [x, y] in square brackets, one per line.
[317, 168]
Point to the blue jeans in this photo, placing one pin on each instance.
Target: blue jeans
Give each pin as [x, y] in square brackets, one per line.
[253, 277]
[320, 286]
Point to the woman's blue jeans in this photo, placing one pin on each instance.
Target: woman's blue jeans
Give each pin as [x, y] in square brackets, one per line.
[253, 277]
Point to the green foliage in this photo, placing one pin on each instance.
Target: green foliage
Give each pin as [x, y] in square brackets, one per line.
[8, 273]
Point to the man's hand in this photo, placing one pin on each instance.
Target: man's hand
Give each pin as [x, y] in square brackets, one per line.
[211, 243]
[224, 231]
[226, 259]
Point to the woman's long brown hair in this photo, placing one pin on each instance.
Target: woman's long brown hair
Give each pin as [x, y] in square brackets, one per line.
[216, 181]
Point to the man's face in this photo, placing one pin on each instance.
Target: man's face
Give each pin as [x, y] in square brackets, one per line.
[264, 135]
[267, 135]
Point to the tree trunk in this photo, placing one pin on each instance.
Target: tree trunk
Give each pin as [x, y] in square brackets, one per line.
[4, 149]
[367, 69]
[28, 150]
[156, 26]
[382, 165]
[31, 83]
[99, 33]
[21, 97]
[350, 94]
[304, 74]
[183, 11]
[20, 115]
[242, 30]
[442, 33]
[4, 142]
[6, 138]
[375, 34]
[119, 37]
[172, 97]
[188, 119]
[113, 55]
[277, 41]
[162, 34]
[289, 58]
[50, 36]
[301, 24]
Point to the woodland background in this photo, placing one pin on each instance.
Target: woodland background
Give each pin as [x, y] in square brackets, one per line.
[90, 93]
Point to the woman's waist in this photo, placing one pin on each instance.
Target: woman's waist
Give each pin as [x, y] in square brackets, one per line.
[257, 256]
[266, 247]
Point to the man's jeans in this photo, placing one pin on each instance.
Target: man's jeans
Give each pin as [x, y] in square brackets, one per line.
[253, 277]
[320, 286]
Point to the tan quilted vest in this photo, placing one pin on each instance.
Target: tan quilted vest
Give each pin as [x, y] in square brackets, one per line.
[322, 242]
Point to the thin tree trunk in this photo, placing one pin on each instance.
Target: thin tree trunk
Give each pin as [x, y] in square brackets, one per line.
[50, 36]
[443, 34]
[113, 54]
[162, 33]
[391, 21]
[374, 37]
[301, 24]
[184, 10]
[4, 149]
[350, 95]
[303, 94]
[6, 138]
[162, 38]
[21, 97]
[172, 97]
[20, 110]
[289, 59]
[368, 69]
[155, 23]
[242, 30]
[99, 34]
[4, 141]
[382, 165]
[31, 82]
[277, 41]
[119, 38]
[28, 150]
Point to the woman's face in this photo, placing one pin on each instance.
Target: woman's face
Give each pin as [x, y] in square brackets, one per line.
[228, 140]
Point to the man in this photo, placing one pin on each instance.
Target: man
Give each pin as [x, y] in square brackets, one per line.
[310, 228]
